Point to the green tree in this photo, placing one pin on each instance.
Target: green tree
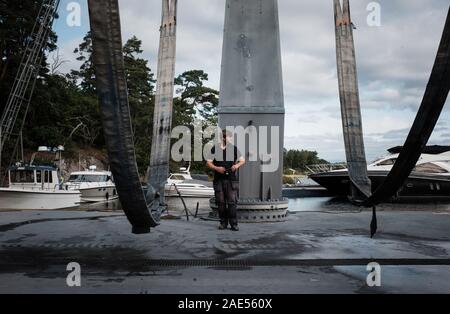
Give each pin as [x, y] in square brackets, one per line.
[195, 100]
[299, 159]
[140, 82]
[62, 113]
[86, 72]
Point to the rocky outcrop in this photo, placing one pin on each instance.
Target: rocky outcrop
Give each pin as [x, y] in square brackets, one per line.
[85, 159]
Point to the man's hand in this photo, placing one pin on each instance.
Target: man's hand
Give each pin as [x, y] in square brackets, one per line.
[220, 170]
[240, 163]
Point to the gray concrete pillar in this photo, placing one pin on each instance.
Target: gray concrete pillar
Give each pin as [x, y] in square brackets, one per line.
[251, 96]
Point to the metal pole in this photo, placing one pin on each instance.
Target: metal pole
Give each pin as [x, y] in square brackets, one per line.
[21, 146]
[196, 210]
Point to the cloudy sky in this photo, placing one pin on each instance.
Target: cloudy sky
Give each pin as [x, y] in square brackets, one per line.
[394, 62]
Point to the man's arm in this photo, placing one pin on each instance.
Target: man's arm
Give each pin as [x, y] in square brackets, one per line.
[239, 164]
[211, 166]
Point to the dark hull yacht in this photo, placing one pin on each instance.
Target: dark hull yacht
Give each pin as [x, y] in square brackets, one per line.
[430, 179]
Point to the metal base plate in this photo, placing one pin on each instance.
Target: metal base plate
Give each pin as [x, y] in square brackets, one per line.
[254, 211]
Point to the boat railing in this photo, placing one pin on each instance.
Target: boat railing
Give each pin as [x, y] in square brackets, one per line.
[24, 187]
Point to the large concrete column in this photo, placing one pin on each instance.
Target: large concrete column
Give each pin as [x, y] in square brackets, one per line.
[159, 160]
[251, 94]
[350, 105]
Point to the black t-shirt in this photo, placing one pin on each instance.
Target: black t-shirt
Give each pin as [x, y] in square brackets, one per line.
[225, 158]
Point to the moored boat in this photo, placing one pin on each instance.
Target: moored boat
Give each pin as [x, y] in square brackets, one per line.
[430, 179]
[187, 186]
[36, 187]
[95, 186]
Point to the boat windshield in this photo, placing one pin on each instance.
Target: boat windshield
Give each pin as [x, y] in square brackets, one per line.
[387, 162]
[88, 178]
[177, 177]
[22, 176]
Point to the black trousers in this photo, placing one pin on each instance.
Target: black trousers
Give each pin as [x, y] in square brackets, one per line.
[226, 199]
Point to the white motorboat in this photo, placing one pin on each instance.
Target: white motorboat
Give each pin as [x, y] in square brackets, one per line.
[188, 186]
[36, 187]
[430, 179]
[95, 186]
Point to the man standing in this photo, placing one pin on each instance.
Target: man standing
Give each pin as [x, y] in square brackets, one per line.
[227, 160]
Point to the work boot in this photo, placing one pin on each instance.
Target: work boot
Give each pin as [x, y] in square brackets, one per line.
[234, 228]
[222, 226]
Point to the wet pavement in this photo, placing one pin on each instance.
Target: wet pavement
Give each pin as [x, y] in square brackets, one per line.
[323, 247]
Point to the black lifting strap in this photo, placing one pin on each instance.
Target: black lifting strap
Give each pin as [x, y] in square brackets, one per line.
[432, 104]
[113, 96]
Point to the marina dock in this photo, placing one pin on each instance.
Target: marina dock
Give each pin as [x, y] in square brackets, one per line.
[324, 246]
